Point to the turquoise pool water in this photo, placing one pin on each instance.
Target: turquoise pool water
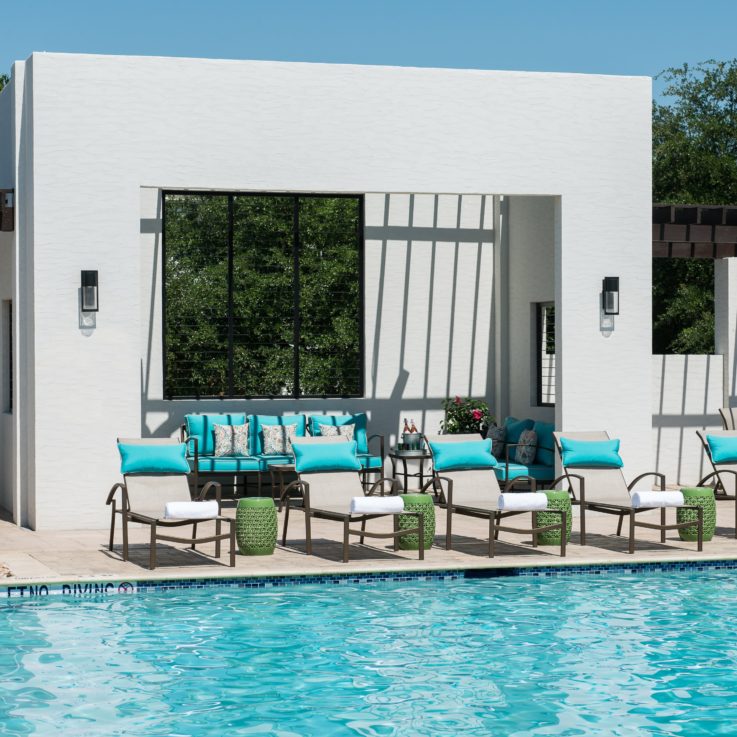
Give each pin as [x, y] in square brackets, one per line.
[605, 655]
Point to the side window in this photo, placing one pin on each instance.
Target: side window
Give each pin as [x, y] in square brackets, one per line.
[545, 346]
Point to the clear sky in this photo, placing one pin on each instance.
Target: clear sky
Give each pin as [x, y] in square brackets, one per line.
[599, 36]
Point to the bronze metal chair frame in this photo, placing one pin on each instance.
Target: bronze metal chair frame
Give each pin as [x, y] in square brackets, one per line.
[303, 487]
[621, 511]
[127, 515]
[720, 489]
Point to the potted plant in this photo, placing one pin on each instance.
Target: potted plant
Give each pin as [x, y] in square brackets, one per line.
[466, 416]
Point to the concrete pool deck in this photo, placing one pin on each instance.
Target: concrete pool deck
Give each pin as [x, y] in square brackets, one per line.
[82, 555]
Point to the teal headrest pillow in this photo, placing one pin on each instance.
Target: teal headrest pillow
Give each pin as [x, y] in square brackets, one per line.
[153, 458]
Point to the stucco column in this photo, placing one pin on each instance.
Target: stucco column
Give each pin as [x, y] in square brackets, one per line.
[725, 323]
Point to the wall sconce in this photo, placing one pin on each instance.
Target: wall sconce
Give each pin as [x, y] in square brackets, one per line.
[90, 298]
[610, 295]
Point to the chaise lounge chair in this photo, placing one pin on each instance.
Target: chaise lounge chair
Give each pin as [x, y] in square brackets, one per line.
[155, 492]
[329, 487]
[723, 461]
[468, 486]
[593, 469]
[729, 417]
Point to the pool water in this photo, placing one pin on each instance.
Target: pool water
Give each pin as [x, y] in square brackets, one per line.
[652, 654]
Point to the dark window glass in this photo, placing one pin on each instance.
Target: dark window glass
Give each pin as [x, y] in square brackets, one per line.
[545, 354]
[262, 295]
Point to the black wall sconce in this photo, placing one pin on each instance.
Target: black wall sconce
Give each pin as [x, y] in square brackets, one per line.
[610, 295]
[90, 297]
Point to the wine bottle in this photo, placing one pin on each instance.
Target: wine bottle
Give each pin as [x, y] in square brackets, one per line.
[413, 427]
[406, 426]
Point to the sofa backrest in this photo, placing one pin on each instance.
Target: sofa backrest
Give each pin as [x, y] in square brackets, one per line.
[201, 427]
[359, 420]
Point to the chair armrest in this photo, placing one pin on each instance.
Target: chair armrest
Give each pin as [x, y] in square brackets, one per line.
[659, 476]
[557, 481]
[395, 486]
[581, 487]
[509, 484]
[211, 485]
[182, 433]
[187, 439]
[123, 495]
[381, 444]
[298, 484]
[439, 480]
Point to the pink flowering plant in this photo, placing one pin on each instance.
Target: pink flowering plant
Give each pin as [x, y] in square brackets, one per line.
[465, 416]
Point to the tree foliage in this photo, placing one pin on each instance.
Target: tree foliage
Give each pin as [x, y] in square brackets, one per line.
[694, 162]
[4, 79]
[295, 323]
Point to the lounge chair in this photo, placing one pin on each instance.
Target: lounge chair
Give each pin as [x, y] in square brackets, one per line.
[729, 417]
[329, 485]
[724, 469]
[602, 488]
[161, 486]
[475, 492]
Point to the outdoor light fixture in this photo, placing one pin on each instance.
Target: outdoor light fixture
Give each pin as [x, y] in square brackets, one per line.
[610, 295]
[90, 300]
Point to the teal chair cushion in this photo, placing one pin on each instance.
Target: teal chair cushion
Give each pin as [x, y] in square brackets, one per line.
[227, 464]
[142, 458]
[537, 471]
[723, 448]
[325, 457]
[359, 420]
[590, 453]
[370, 461]
[257, 421]
[545, 444]
[515, 428]
[200, 427]
[456, 456]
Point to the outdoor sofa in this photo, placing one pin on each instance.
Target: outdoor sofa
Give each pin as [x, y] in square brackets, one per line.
[541, 467]
[197, 432]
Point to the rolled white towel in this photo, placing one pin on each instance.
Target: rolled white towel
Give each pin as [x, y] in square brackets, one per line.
[191, 510]
[377, 505]
[522, 501]
[647, 499]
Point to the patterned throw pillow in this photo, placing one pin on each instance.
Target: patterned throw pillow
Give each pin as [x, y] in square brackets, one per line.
[231, 440]
[498, 435]
[526, 448]
[278, 439]
[338, 431]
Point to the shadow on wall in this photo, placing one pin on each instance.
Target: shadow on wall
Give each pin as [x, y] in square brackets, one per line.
[687, 394]
[428, 317]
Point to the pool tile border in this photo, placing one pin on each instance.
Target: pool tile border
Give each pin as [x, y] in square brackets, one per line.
[78, 589]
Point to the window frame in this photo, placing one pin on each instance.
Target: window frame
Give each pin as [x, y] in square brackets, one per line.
[540, 308]
[296, 196]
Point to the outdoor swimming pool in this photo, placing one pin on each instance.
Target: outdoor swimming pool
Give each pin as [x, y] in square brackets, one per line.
[589, 655]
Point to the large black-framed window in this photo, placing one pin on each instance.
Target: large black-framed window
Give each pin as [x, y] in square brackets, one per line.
[262, 295]
[545, 351]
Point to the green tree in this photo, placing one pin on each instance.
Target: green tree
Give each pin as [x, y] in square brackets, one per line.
[694, 162]
[4, 79]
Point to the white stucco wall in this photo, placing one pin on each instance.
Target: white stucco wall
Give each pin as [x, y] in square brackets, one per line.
[687, 395]
[100, 128]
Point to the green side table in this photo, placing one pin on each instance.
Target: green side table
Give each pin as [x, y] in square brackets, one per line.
[255, 525]
[556, 500]
[703, 496]
[417, 503]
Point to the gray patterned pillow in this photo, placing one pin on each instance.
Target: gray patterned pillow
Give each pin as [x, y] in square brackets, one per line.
[498, 435]
[278, 439]
[231, 440]
[526, 448]
[338, 431]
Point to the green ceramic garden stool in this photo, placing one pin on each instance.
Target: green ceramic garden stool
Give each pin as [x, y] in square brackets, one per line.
[255, 525]
[417, 503]
[556, 500]
[703, 496]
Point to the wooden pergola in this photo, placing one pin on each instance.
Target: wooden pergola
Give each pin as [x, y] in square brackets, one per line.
[694, 231]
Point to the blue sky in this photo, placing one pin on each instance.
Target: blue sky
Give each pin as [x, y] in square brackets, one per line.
[598, 36]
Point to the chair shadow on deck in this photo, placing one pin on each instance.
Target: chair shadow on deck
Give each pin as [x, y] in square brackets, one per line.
[332, 550]
[167, 556]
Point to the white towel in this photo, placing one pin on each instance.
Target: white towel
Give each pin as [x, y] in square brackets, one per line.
[646, 499]
[377, 505]
[522, 501]
[191, 510]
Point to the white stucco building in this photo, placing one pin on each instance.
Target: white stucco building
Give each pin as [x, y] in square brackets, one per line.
[484, 196]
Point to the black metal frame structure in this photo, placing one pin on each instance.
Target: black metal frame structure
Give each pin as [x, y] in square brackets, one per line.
[296, 196]
[540, 308]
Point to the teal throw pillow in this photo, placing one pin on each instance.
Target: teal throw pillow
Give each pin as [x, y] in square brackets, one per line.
[153, 458]
[322, 457]
[515, 428]
[590, 453]
[723, 448]
[458, 456]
